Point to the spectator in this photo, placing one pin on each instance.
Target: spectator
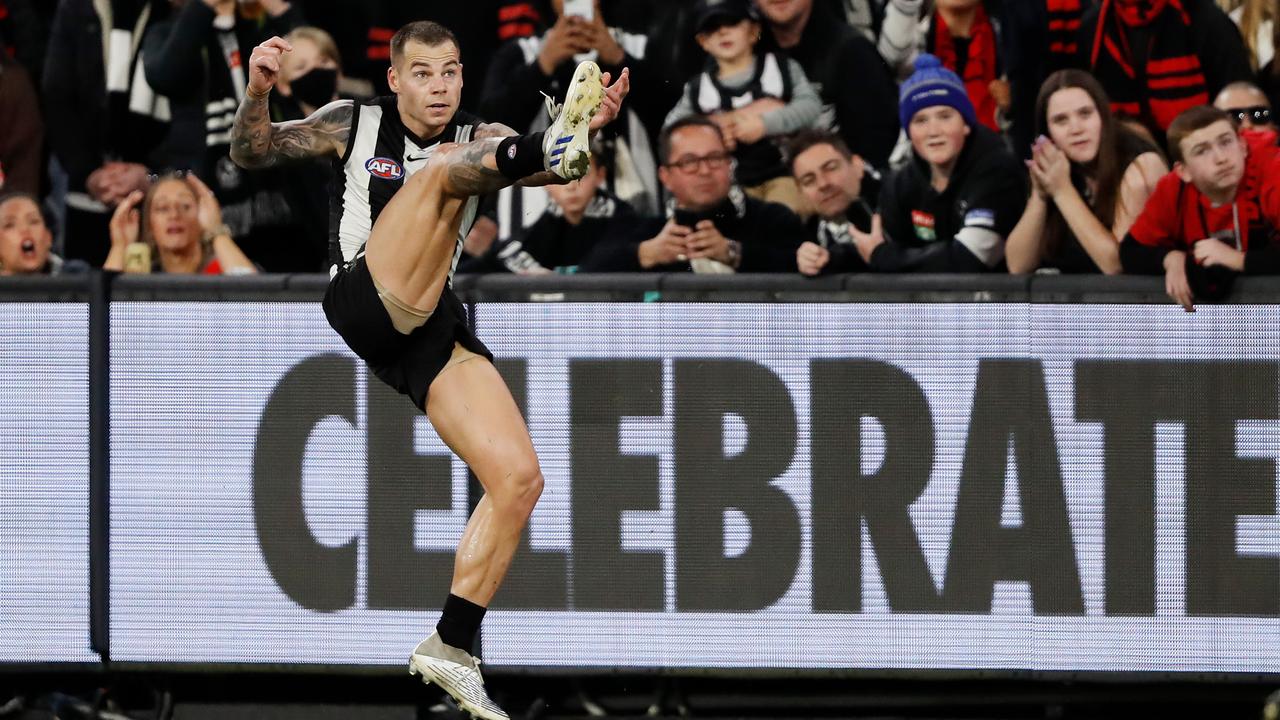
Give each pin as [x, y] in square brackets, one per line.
[1038, 38]
[105, 124]
[196, 59]
[843, 190]
[1256, 20]
[310, 74]
[1089, 180]
[578, 218]
[1215, 215]
[181, 227]
[711, 226]
[1156, 58]
[951, 207]
[864, 16]
[1268, 78]
[523, 68]
[850, 75]
[21, 130]
[25, 241]
[966, 38]
[1248, 105]
[755, 97]
[310, 78]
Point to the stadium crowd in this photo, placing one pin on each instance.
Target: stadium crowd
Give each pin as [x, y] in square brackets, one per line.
[810, 136]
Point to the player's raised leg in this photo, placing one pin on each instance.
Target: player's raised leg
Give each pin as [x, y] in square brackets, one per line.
[411, 247]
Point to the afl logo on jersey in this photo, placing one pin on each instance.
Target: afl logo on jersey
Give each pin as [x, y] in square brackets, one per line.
[385, 168]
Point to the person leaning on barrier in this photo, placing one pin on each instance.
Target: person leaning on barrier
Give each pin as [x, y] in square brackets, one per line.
[1215, 215]
[951, 206]
[711, 226]
[1090, 177]
[179, 230]
[25, 240]
[844, 192]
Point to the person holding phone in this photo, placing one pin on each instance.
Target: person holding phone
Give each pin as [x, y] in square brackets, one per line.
[711, 225]
[179, 230]
[525, 69]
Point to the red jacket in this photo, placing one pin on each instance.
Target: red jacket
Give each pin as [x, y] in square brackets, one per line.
[1177, 214]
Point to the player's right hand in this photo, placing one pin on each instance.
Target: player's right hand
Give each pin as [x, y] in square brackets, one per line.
[264, 64]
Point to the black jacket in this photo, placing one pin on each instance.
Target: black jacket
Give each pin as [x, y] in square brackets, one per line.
[769, 233]
[851, 76]
[987, 193]
[176, 65]
[75, 95]
[553, 243]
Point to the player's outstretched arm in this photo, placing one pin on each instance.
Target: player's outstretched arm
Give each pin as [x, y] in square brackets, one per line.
[256, 142]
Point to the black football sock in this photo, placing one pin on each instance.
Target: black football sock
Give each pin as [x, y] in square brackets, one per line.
[459, 622]
[520, 156]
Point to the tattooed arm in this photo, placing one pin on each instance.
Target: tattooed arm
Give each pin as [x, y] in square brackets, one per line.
[256, 142]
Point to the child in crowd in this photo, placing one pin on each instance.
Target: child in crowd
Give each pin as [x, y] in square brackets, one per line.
[951, 206]
[755, 98]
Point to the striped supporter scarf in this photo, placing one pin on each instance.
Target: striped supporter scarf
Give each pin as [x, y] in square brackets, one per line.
[1064, 29]
[1143, 55]
[980, 67]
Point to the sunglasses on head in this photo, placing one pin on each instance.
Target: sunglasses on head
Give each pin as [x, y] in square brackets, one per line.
[1257, 115]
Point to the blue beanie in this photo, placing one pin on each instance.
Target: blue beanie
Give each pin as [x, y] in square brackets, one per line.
[932, 84]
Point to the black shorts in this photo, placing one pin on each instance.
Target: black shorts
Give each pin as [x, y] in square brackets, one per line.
[407, 363]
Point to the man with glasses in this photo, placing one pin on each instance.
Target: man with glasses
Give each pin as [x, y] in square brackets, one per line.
[711, 226]
[1247, 105]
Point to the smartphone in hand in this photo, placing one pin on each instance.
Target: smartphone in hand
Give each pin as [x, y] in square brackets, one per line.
[585, 9]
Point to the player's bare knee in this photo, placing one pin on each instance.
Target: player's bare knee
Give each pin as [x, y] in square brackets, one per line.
[521, 485]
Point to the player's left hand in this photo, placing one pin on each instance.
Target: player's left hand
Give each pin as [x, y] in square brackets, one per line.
[613, 95]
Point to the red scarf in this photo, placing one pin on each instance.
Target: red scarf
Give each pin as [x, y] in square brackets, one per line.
[1136, 13]
[1064, 26]
[980, 65]
[1173, 79]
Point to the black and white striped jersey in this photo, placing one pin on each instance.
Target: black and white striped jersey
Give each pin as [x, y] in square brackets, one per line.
[381, 154]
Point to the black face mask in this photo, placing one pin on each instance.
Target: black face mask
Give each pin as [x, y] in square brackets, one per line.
[316, 88]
